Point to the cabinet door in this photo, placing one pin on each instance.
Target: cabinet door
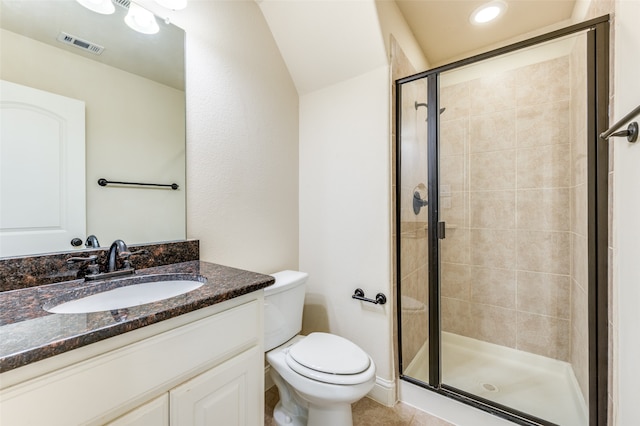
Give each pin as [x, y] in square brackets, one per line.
[229, 394]
[153, 413]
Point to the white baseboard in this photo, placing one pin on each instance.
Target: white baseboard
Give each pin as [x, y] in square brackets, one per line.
[384, 392]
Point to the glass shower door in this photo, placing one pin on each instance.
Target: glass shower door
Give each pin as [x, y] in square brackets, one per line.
[411, 217]
[501, 229]
[513, 264]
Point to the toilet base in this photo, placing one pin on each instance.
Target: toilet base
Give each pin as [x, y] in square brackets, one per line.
[282, 417]
[291, 410]
[335, 415]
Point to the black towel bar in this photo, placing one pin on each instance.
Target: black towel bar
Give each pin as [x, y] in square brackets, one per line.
[104, 182]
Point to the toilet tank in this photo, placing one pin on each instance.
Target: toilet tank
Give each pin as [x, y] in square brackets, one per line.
[283, 303]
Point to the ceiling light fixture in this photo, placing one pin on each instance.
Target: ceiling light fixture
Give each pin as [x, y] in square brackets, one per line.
[141, 20]
[172, 4]
[104, 7]
[488, 12]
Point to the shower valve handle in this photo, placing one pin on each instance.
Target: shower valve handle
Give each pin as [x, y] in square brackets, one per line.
[418, 202]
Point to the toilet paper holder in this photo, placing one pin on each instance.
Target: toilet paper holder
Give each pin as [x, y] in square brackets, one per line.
[380, 299]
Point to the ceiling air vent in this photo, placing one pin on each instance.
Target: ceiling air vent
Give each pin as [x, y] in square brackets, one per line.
[80, 44]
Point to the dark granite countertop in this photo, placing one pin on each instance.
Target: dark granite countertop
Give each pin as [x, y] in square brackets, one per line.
[28, 333]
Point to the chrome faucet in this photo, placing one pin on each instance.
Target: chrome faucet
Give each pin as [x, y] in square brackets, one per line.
[118, 250]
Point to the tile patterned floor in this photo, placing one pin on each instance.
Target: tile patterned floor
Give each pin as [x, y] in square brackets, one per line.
[367, 412]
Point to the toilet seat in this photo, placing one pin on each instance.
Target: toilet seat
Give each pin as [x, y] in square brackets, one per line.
[330, 359]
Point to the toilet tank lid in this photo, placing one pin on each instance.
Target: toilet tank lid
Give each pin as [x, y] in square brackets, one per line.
[285, 280]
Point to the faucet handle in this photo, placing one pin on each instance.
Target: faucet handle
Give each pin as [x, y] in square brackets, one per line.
[92, 266]
[125, 255]
[136, 253]
[91, 258]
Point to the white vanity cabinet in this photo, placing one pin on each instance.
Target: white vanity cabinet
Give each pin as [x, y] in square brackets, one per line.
[221, 396]
[153, 413]
[200, 368]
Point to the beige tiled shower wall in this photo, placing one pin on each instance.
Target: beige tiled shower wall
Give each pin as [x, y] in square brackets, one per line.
[413, 231]
[579, 269]
[414, 289]
[506, 194]
[413, 238]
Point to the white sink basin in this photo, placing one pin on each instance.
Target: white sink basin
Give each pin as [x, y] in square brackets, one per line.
[125, 297]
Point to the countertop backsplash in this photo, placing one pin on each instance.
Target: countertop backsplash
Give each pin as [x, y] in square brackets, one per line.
[29, 271]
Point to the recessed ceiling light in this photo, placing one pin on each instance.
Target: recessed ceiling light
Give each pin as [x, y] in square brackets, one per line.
[104, 7]
[141, 20]
[488, 12]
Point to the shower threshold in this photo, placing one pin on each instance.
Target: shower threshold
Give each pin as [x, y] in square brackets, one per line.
[534, 384]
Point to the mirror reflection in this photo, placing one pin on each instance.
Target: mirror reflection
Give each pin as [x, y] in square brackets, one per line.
[120, 116]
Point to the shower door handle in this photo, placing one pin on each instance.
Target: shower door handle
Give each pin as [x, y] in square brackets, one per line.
[441, 233]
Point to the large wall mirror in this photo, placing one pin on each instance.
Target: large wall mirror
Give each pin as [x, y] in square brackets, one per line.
[133, 99]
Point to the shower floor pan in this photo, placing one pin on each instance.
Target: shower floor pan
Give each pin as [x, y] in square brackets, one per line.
[534, 384]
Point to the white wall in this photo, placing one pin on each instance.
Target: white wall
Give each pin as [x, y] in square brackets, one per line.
[242, 138]
[344, 211]
[626, 228]
[134, 132]
[336, 54]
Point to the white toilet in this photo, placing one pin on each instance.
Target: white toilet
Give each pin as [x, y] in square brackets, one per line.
[318, 376]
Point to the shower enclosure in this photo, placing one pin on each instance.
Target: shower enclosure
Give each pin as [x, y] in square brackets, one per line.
[501, 228]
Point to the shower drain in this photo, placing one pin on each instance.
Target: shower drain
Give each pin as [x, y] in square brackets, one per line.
[489, 387]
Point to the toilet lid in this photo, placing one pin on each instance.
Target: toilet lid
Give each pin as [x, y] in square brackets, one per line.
[328, 353]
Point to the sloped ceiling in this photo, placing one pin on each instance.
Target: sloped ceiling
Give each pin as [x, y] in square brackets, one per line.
[325, 42]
